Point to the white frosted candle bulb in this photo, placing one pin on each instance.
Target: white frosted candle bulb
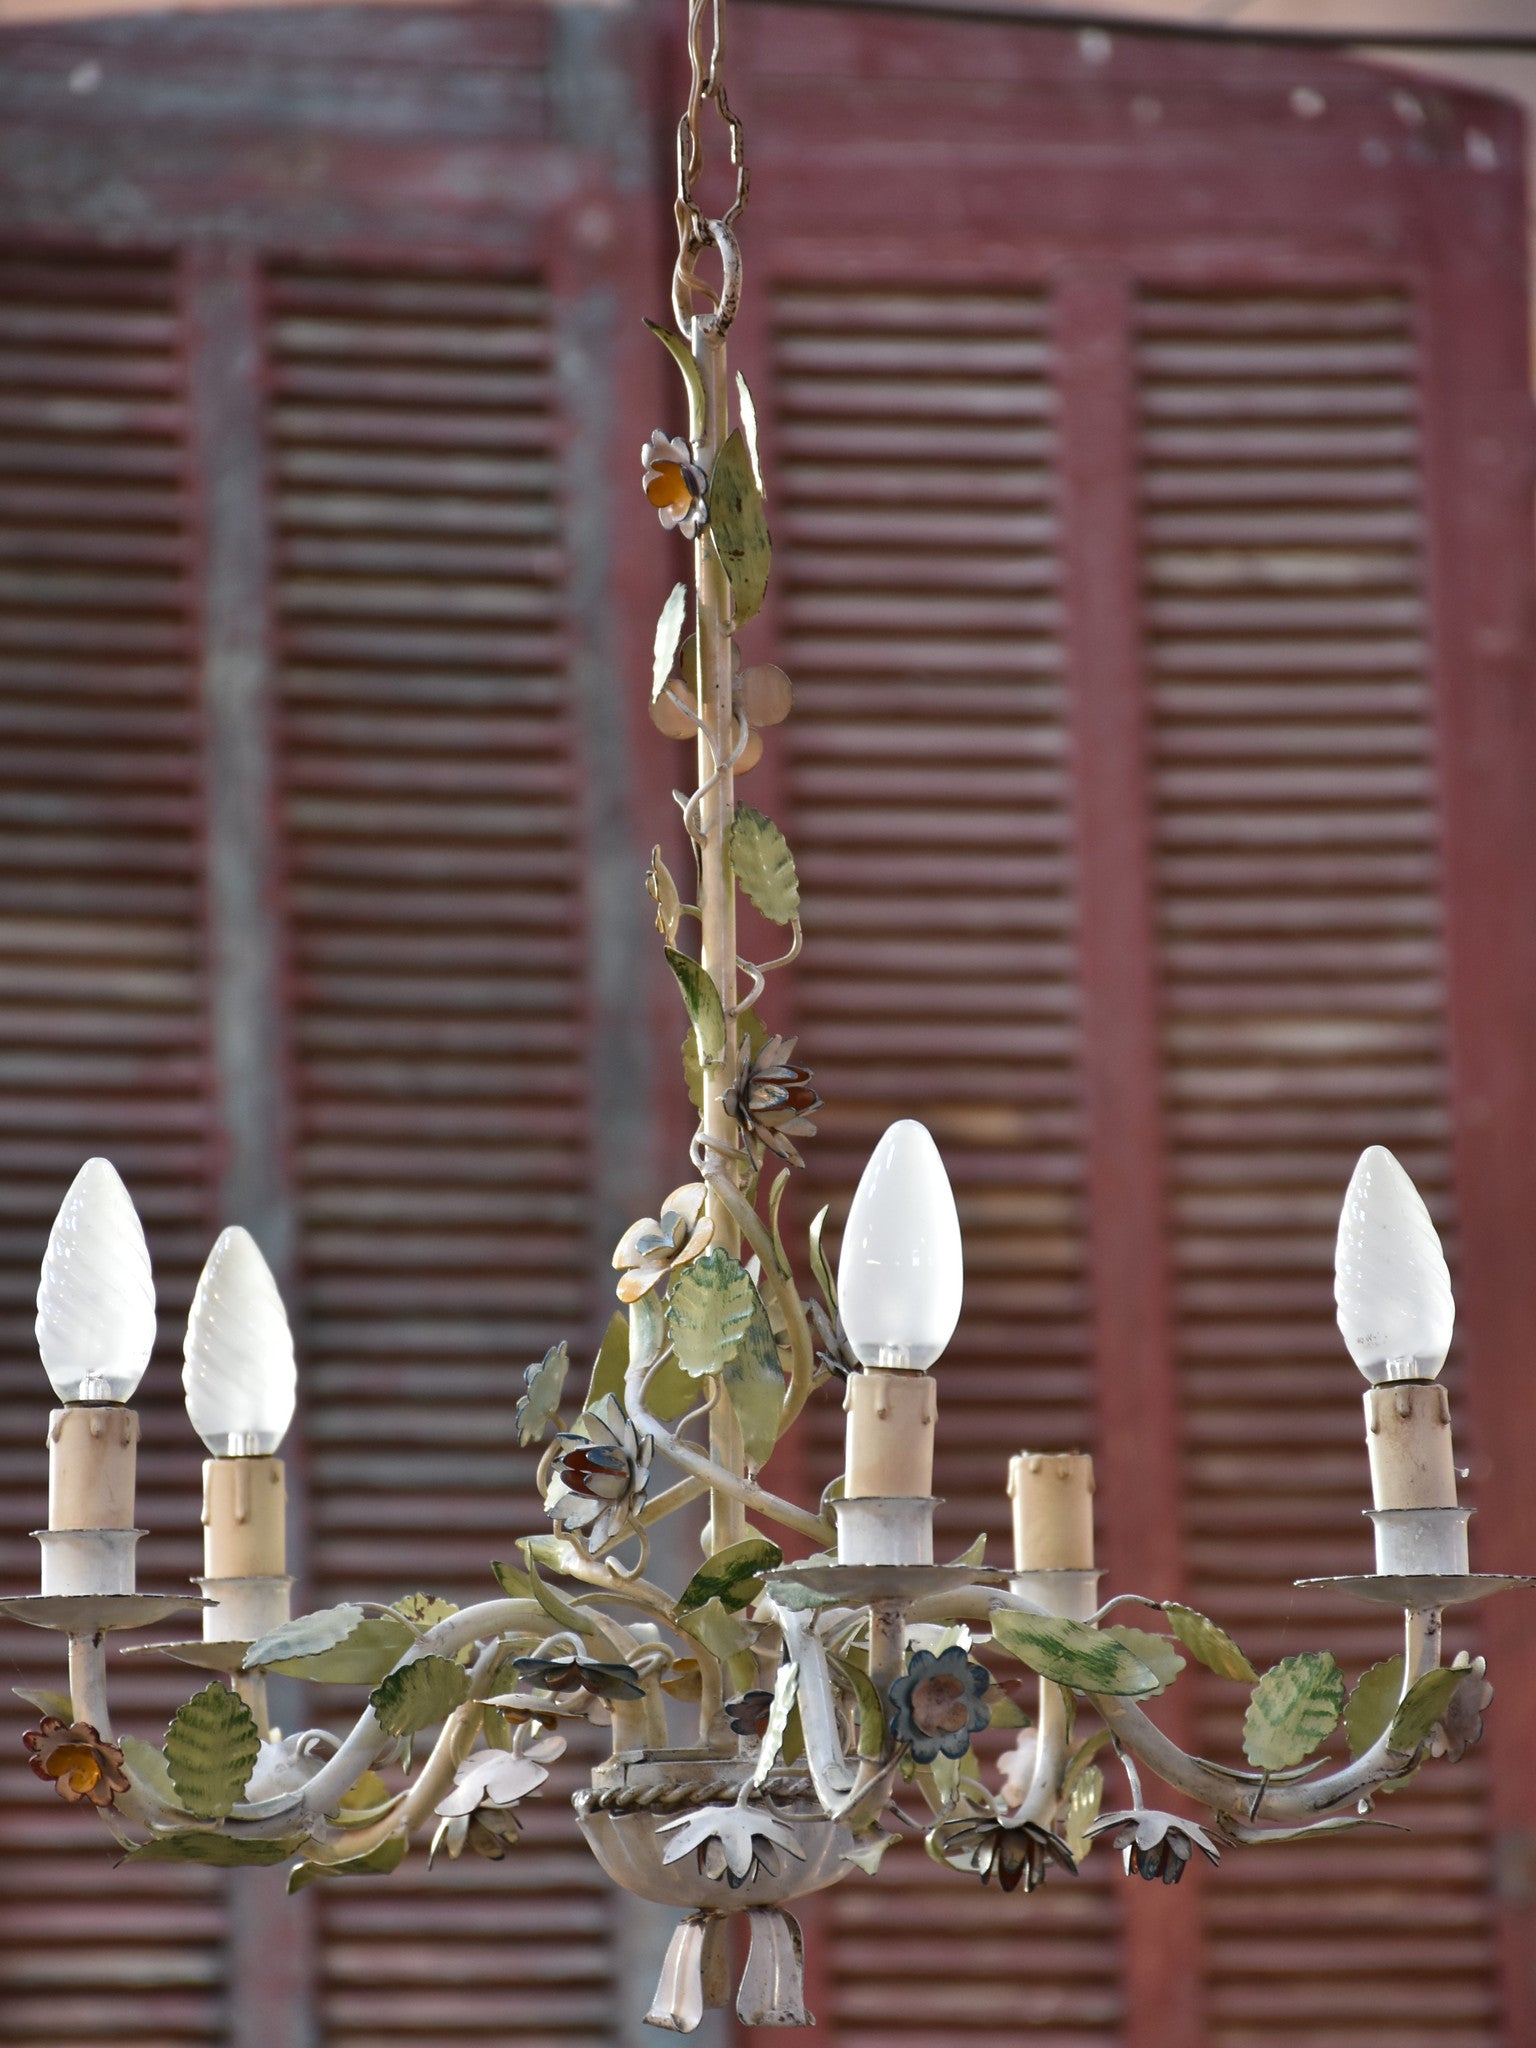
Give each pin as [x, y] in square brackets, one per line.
[239, 1372]
[901, 1272]
[1396, 1311]
[96, 1299]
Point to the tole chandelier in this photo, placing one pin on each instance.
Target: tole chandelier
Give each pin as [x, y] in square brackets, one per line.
[774, 1726]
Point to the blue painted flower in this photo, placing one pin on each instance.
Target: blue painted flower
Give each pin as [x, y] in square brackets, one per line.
[937, 1707]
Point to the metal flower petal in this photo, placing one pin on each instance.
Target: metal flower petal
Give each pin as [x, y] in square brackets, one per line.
[76, 1761]
[834, 1354]
[580, 1674]
[496, 1777]
[1156, 1845]
[773, 1098]
[651, 1250]
[675, 484]
[1015, 1852]
[937, 1705]
[599, 1478]
[734, 1842]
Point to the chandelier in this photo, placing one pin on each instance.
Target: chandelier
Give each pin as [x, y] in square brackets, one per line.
[775, 1726]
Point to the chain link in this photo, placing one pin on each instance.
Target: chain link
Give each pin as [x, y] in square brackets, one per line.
[696, 233]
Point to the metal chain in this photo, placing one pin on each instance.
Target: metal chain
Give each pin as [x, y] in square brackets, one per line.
[695, 232]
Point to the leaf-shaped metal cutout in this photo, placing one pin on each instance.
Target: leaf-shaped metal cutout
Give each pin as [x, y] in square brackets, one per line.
[1425, 1703]
[148, 1768]
[210, 1751]
[305, 1636]
[754, 1385]
[1208, 1644]
[705, 1011]
[1372, 1705]
[738, 528]
[223, 1852]
[764, 865]
[819, 1266]
[662, 890]
[1295, 1706]
[733, 1576]
[786, 1687]
[872, 1722]
[545, 1382]
[419, 1695]
[709, 1308]
[682, 355]
[749, 429]
[611, 1362]
[750, 1030]
[388, 1856]
[361, 1658]
[669, 631]
[1155, 1651]
[1069, 1654]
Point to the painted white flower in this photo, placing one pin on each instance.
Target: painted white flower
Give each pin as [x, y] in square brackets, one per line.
[600, 1476]
[734, 1842]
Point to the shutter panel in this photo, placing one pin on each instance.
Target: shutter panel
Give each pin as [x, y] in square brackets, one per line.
[102, 1049]
[430, 764]
[918, 607]
[1300, 950]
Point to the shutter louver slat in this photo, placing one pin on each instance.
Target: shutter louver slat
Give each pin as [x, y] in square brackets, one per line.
[1302, 978]
[102, 1049]
[931, 823]
[435, 870]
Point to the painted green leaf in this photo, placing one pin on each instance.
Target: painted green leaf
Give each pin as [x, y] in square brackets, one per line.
[1295, 1706]
[764, 865]
[1208, 1644]
[305, 1637]
[545, 1382]
[513, 1580]
[872, 1725]
[717, 1629]
[819, 1266]
[210, 1751]
[750, 1030]
[974, 1553]
[611, 1362]
[702, 1000]
[375, 1646]
[1423, 1705]
[754, 1384]
[1083, 1804]
[419, 1695]
[786, 1687]
[669, 630]
[709, 1308]
[224, 1852]
[1083, 1756]
[738, 527]
[58, 1704]
[868, 1851]
[1086, 1659]
[389, 1855]
[560, 1612]
[148, 1768]
[423, 1610]
[1372, 1705]
[749, 429]
[1155, 1651]
[682, 355]
[798, 1599]
[662, 890]
[1005, 1710]
[733, 1576]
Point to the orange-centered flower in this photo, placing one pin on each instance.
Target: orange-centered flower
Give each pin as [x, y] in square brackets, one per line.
[76, 1761]
[674, 483]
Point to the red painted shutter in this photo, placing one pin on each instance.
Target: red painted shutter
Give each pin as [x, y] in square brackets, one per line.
[103, 1048]
[1120, 577]
[915, 504]
[429, 771]
[1300, 947]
